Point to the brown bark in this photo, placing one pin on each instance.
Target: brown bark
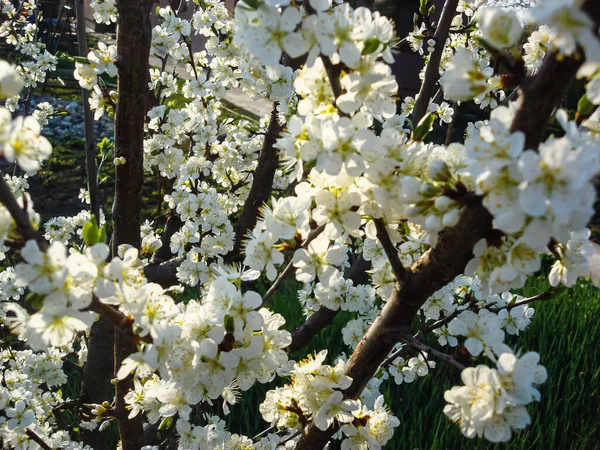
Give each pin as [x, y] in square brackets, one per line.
[172, 226]
[262, 184]
[133, 49]
[97, 374]
[88, 120]
[432, 71]
[164, 273]
[134, 33]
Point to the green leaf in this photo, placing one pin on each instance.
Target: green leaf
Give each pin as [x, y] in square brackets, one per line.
[166, 423]
[229, 324]
[35, 300]
[422, 129]
[92, 233]
[423, 7]
[103, 237]
[431, 10]
[371, 45]
[80, 59]
[103, 146]
[584, 106]
[250, 4]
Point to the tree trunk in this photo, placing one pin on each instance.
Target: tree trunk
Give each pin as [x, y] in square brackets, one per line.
[134, 34]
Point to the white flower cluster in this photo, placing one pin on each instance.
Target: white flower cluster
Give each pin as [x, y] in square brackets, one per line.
[492, 401]
[569, 27]
[356, 38]
[203, 347]
[315, 395]
[105, 11]
[225, 337]
[100, 60]
[407, 371]
[532, 196]
[34, 61]
[26, 403]
[20, 138]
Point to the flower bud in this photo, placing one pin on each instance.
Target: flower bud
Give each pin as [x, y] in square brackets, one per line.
[119, 161]
[438, 170]
[433, 223]
[500, 27]
[442, 203]
[451, 218]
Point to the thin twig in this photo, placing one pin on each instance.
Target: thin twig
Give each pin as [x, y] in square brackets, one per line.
[293, 436]
[546, 295]
[264, 432]
[418, 345]
[122, 322]
[390, 250]
[38, 440]
[390, 359]
[432, 72]
[440, 323]
[290, 267]
[19, 215]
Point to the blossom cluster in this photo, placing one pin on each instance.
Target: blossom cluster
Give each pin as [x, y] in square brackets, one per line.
[26, 401]
[315, 395]
[351, 165]
[34, 61]
[492, 401]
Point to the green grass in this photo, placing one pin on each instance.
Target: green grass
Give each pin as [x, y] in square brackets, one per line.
[564, 331]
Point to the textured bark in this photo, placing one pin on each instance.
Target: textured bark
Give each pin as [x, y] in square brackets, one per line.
[97, 373]
[133, 48]
[262, 184]
[134, 33]
[535, 111]
[432, 72]
[164, 273]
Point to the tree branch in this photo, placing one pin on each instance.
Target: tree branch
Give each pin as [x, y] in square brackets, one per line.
[19, 215]
[546, 295]
[432, 71]
[88, 121]
[38, 440]
[134, 34]
[121, 322]
[164, 253]
[418, 345]
[440, 323]
[262, 184]
[164, 273]
[389, 249]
